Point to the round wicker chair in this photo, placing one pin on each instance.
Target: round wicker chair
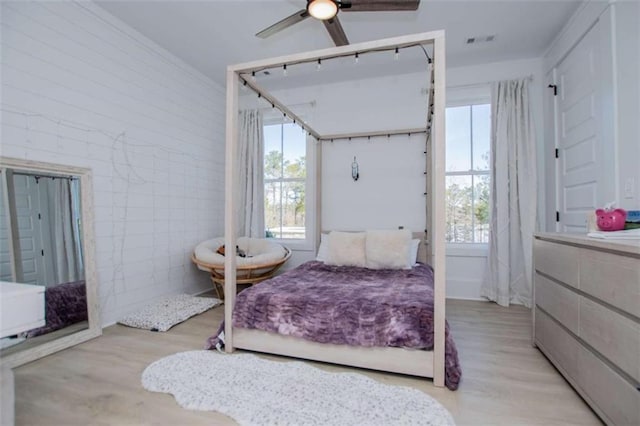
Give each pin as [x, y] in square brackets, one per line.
[262, 259]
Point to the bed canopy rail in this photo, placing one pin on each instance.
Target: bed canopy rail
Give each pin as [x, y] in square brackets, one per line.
[369, 135]
[241, 75]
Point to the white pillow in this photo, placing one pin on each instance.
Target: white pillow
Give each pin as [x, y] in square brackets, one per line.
[323, 250]
[346, 249]
[388, 249]
[413, 252]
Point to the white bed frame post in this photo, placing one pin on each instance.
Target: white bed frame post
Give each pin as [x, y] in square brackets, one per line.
[438, 206]
[230, 205]
[422, 363]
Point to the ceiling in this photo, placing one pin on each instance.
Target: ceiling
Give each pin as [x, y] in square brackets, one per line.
[209, 35]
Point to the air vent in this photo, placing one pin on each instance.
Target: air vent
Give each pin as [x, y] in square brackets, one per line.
[481, 39]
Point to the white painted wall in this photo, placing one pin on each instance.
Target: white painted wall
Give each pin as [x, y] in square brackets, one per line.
[626, 28]
[79, 87]
[620, 46]
[390, 190]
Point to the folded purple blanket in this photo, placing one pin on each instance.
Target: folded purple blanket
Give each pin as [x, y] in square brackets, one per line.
[348, 306]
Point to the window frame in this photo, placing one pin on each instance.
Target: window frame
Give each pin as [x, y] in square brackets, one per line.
[308, 243]
[458, 97]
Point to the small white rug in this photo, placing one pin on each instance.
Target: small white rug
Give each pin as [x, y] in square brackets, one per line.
[255, 391]
[172, 310]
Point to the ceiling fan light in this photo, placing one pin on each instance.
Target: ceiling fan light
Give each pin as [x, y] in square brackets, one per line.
[322, 9]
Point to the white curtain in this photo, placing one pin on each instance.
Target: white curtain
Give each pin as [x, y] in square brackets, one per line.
[251, 176]
[513, 195]
[67, 264]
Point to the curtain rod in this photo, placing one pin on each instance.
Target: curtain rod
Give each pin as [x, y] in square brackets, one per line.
[486, 83]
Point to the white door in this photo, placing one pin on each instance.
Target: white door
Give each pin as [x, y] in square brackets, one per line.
[28, 215]
[579, 138]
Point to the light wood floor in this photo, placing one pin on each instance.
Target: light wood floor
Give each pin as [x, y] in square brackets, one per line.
[505, 380]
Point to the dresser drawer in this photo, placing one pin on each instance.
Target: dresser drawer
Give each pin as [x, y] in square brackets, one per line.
[557, 344]
[559, 261]
[613, 395]
[612, 278]
[616, 337]
[560, 302]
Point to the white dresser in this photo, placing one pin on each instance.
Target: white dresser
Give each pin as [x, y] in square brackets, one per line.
[21, 308]
[587, 319]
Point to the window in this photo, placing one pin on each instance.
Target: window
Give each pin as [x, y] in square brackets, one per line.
[285, 181]
[468, 173]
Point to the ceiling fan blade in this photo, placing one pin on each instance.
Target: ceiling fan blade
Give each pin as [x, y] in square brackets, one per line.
[378, 5]
[336, 32]
[299, 16]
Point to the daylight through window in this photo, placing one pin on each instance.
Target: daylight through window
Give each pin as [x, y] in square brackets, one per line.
[468, 173]
[285, 174]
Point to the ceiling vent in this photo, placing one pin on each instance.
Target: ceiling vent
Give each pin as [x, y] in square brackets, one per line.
[481, 39]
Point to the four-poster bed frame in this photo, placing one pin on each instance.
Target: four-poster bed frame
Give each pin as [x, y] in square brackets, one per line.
[398, 360]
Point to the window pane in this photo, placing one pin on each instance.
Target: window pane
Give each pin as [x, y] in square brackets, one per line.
[458, 139]
[481, 208]
[294, 142]
[285, 209]
[273, 151]
[272, 209]
[481, 133]
[459, 196]
[293, 211]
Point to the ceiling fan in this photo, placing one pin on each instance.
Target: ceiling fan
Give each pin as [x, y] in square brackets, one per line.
[327, 11]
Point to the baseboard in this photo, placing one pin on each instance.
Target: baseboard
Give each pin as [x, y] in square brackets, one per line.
[477, 299]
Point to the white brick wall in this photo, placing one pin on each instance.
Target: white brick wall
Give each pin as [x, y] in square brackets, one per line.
[79, 87]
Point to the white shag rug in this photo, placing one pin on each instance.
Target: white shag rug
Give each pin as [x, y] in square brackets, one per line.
[163, 315]
[256, 391]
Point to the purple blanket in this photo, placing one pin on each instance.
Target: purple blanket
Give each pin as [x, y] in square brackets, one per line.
[65, 304]
[349, 306]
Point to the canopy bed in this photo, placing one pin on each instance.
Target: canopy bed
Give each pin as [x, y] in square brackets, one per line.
[430, 360]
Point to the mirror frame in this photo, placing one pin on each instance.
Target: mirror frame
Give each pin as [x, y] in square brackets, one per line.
[88, 247]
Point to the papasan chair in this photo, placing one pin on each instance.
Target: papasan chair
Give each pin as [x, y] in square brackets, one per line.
[262, 258]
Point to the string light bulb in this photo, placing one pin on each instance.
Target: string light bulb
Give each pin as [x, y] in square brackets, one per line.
[319, 65]
[253, 76]
[397, 54]
[356, 58]
[284, 70]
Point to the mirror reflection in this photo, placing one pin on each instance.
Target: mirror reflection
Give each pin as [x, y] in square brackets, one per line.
[41, 260]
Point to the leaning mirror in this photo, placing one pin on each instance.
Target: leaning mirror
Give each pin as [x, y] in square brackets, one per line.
[48, 287]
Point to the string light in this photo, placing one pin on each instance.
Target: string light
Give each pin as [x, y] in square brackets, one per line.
[284, 70]
[397, 54]
[253, 76]
[319, 65]
[356, 58]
